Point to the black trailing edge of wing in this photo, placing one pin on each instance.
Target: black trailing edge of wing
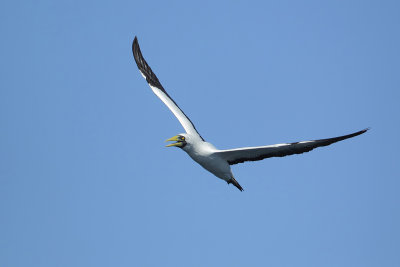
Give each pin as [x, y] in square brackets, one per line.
[292, 149]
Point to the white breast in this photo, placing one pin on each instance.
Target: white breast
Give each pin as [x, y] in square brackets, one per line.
[204, 154]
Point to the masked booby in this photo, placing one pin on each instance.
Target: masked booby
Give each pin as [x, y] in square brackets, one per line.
[216, 161]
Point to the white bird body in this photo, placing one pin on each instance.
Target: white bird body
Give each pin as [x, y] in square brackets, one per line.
[217, 161]
[206, 155]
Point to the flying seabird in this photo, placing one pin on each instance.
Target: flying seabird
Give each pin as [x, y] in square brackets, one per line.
[216, 161]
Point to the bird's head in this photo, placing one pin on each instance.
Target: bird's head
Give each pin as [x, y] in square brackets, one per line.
[181, 140]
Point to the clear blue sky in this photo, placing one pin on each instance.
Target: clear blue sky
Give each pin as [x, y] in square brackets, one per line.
[85, 179]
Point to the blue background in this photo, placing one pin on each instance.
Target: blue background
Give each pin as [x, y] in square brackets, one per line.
[85, 179]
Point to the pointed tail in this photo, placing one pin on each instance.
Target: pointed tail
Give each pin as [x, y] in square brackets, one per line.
[235, 183]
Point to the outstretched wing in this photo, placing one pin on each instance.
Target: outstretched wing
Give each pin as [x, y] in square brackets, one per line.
[239, 155]
[158, 89]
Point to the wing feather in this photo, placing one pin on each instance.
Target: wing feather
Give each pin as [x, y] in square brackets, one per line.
[239, 155]
[159, 90]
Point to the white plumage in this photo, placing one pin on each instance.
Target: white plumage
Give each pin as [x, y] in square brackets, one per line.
[212, 159]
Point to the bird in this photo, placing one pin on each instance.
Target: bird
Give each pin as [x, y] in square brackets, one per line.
[214, 160]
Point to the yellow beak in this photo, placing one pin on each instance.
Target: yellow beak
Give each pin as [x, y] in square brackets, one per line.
[175, 138]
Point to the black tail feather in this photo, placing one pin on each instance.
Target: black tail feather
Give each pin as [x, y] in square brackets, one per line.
[235, 183]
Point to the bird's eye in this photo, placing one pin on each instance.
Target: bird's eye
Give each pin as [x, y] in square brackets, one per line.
[182, 138]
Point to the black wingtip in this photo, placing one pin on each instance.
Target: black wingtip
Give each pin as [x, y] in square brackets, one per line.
[144, 68]
[135, 43]
[137, 54]
[340, 138]
[362, 131]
